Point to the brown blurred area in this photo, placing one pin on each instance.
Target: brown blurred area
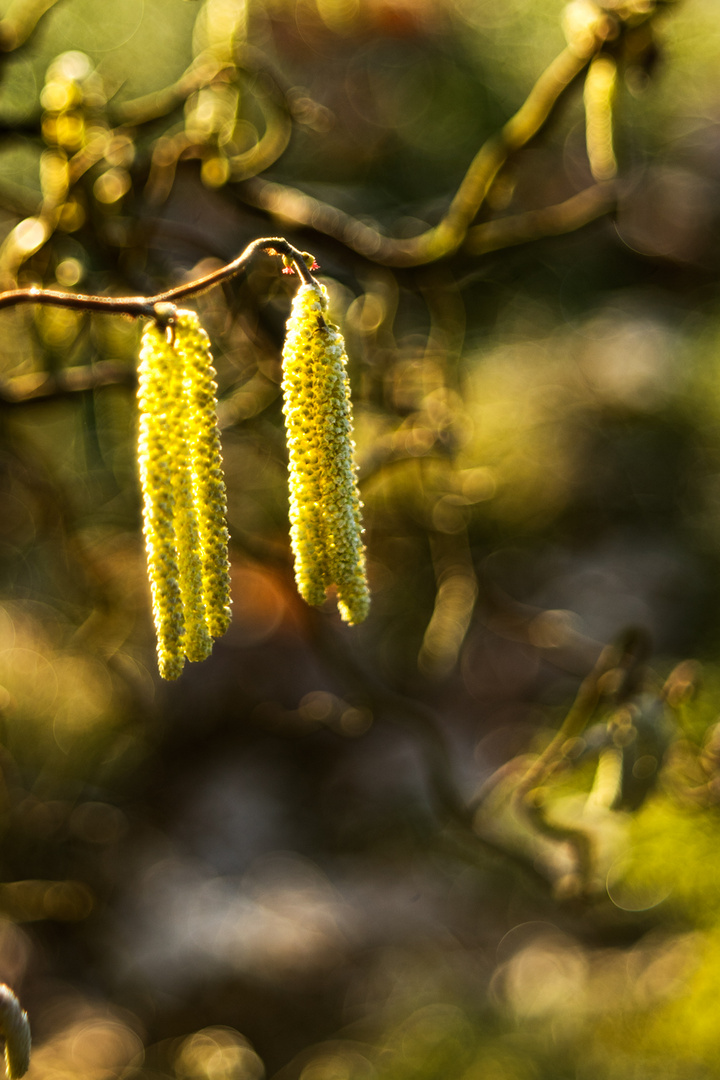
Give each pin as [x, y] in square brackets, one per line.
[333, 853]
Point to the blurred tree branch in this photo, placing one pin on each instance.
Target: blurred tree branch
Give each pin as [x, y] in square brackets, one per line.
[44, 386]
[297, 209]
[20, 21]
[594, 29]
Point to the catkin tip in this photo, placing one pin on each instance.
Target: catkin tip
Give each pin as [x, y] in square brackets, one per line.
[354, 607]
[171, 666]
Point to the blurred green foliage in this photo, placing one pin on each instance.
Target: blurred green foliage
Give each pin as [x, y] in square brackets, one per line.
[366, 854]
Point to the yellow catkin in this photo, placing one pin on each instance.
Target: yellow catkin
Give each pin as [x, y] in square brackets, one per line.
[325, 521]
[207, 472]
[197, 642]
[155, 466]
[15, 1029]
[183, 492]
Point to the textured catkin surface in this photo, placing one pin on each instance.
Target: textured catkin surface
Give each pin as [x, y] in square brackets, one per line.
[197, 643]
[184, 503]
[208, 481]
[155, 466]
[325, 521]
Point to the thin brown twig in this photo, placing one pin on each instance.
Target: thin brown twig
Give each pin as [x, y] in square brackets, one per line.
[146, 306]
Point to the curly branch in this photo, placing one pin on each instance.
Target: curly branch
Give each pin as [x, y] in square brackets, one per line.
[447, 236]
[156, 105]
[564, 217]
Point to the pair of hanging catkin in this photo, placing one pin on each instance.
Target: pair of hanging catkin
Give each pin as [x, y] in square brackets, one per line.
[184, 503]
[181, 476]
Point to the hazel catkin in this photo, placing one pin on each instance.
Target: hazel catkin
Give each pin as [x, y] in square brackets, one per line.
[183, 491]
[325, 520]
[208, 480]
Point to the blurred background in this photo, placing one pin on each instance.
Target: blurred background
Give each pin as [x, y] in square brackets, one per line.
[333, 853]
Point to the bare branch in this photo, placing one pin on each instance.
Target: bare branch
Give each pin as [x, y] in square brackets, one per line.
[145, 306]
